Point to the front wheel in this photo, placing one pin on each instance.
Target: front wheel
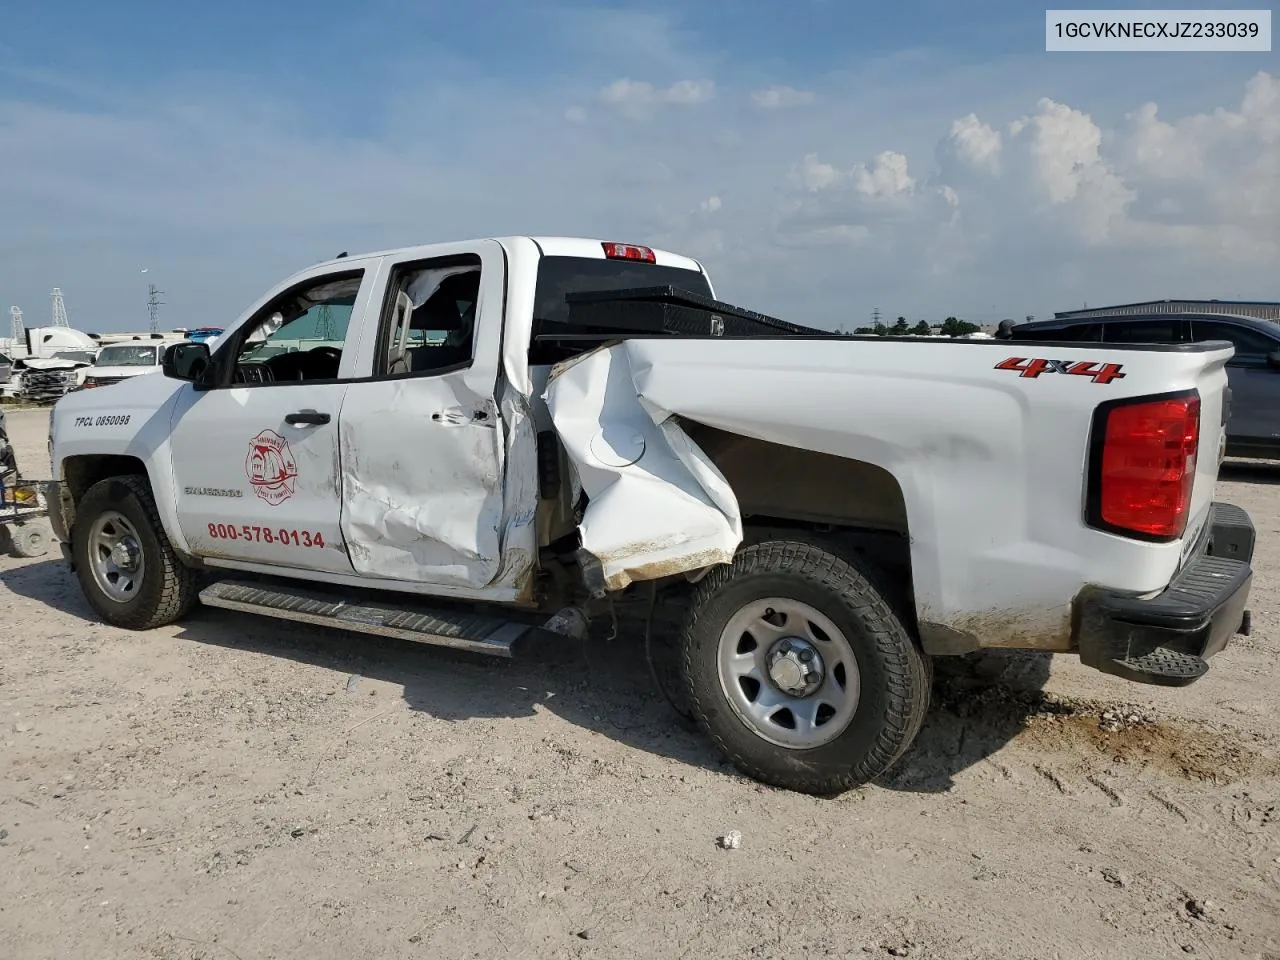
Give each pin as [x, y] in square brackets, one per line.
[126, 565]
[800, 671]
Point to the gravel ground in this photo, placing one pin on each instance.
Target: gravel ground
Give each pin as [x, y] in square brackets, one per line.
[235, 787]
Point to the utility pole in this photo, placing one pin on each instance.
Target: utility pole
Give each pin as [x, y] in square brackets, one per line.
[153, 306]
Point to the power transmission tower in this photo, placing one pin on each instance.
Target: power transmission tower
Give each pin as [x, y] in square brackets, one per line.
[324, 323]
[875, 316]
[153, 306]
[16, 330]
[59, 309]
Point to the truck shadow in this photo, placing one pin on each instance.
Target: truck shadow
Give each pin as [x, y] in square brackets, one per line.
[603, 685]
[980, 703]
[1250, 471]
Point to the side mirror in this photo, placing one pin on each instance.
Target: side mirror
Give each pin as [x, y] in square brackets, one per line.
[1273, 359]
[185, 361]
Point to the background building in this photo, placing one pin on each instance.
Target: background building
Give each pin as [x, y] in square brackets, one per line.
[1259, 309]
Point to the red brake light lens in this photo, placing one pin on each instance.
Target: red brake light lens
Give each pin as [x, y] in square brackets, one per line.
[628, 251]
[1148, 466]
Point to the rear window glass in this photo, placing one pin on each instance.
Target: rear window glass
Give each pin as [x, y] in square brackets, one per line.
[558, 276]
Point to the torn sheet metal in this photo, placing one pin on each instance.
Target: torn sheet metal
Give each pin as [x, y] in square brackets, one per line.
[657, 505]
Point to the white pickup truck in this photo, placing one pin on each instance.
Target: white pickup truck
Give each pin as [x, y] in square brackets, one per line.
[475, 443]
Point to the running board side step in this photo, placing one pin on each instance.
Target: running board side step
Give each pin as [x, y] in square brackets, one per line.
[445, 628]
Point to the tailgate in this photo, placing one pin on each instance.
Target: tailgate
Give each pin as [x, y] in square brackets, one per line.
[1209, 378]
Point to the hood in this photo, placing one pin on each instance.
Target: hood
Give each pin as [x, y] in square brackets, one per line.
[96, 371]
[133, 393]
[52, 363]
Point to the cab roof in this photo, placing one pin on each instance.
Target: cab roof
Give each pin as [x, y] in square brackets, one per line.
[548, 247]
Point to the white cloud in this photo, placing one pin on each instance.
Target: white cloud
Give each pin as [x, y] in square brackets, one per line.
[1159, 149]
[886, 179]
[1065, 148]
[814, 175]
[976, 143]
[689, 91]
[781, 96]
[875, 193]
[1187, 206]
[639, 97]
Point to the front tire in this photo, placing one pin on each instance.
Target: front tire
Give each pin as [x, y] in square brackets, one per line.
[127, 568]
[800, 671]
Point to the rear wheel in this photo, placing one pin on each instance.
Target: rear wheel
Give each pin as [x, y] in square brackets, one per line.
[800, 671]
[127, 567]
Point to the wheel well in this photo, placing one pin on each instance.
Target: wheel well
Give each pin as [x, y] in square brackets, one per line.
[836, 491]
[81, 473]
[853, 507]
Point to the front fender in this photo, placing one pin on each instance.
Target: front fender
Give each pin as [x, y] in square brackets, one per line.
[116, 429]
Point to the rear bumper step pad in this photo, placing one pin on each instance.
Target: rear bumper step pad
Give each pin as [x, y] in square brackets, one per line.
[1168, 639]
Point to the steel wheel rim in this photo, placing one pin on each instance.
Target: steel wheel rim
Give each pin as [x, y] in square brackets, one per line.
[753, 638]
[115, 556]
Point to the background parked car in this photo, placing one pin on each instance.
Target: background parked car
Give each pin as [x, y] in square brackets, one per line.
[120, 361]
[1253, 374]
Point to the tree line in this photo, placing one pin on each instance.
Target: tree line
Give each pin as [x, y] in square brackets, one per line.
[951, 327]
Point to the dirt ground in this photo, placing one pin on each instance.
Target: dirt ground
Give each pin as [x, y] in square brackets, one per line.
[237, 788]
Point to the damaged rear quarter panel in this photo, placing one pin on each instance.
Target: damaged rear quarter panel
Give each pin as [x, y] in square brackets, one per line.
[991, 466]
[657, 505]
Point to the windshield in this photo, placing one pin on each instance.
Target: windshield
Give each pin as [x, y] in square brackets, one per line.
[315, 317]
[127, 356]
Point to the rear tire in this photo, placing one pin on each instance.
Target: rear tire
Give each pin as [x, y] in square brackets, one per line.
[800, 671]
[127, 568]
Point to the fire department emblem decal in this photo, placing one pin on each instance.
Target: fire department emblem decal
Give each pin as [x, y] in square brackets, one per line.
[272, 471]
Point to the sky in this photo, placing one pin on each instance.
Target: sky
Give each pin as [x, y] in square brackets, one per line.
[823, 158]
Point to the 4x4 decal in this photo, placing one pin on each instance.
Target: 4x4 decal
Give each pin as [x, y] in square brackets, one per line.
[1030, 369]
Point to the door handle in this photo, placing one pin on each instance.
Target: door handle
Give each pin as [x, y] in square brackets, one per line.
[306, 416]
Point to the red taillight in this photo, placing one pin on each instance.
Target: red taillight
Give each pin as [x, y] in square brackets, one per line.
[628, 251]
[1147, 466]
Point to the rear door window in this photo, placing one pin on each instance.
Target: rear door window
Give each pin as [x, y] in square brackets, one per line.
[1068, 334]
[1145, 331]
[1248, 343]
